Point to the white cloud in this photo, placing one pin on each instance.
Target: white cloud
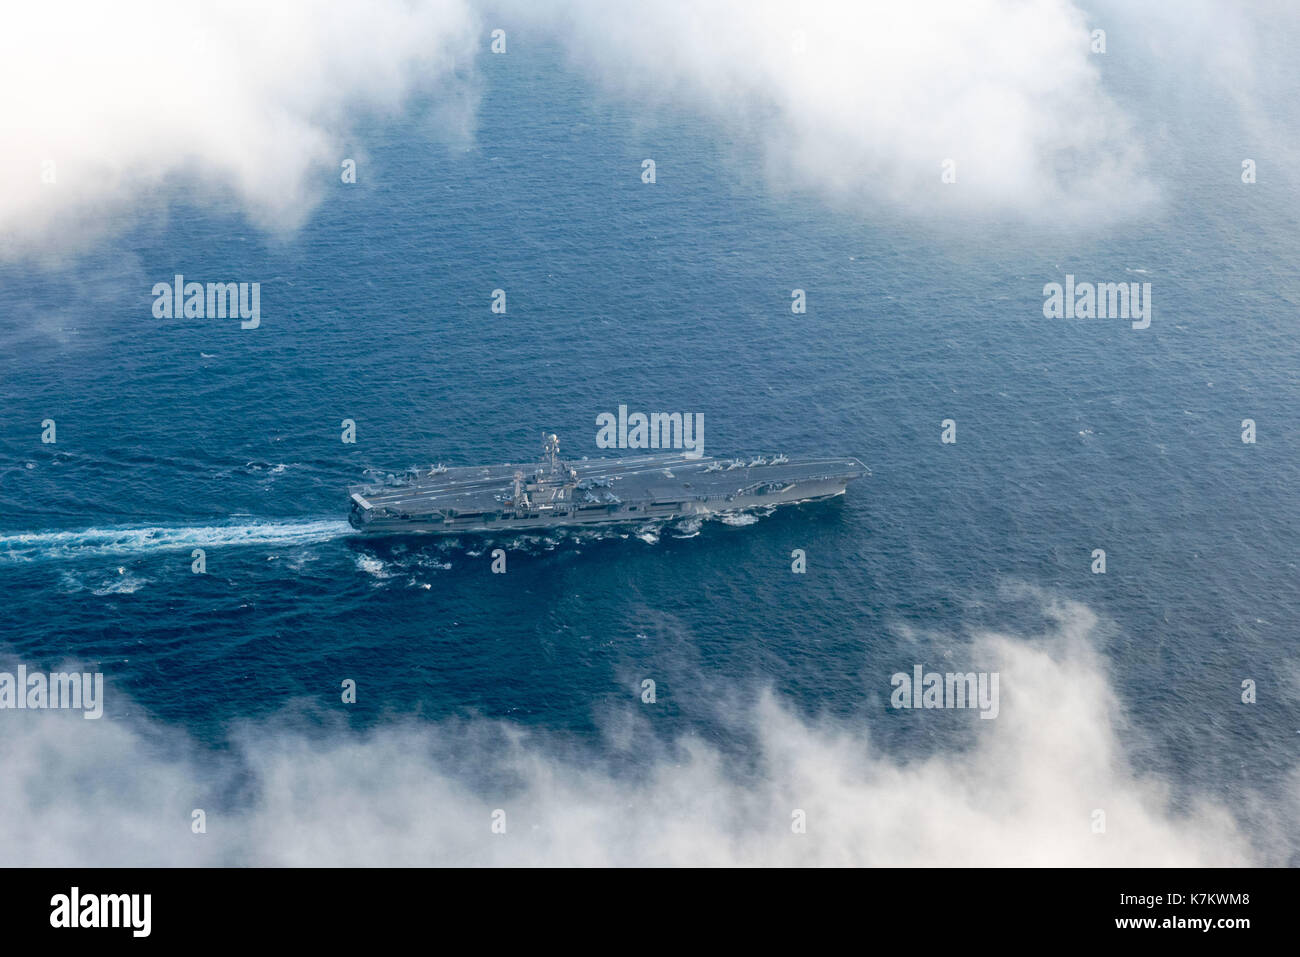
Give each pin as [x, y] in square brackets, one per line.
[240, 97]
[112, 792]
[859, 103]
[1219, 73]
[863, 102]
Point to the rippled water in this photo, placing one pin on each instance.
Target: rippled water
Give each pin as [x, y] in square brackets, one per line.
[177, 435]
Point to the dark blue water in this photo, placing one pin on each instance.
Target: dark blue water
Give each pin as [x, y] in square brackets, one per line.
[1072, 435]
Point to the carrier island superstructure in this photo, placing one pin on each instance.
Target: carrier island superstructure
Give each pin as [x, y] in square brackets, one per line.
[556, 493]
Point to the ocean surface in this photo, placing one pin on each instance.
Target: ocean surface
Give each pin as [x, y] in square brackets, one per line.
[1072, 435]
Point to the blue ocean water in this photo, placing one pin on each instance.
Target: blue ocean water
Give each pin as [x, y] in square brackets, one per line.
[1072, 435]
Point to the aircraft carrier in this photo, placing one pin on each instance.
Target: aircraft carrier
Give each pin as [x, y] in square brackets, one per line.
[555, 493]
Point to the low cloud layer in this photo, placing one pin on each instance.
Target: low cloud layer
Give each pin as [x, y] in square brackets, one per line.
[1024, 793]
[857, 104]
[863, 103]
[239, 99]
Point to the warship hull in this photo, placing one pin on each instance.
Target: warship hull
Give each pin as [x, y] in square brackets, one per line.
[590, 492]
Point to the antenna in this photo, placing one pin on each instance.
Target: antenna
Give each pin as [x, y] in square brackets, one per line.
[550, 452]
[519, 497]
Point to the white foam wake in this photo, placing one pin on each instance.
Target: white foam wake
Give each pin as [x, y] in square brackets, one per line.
[94, 542]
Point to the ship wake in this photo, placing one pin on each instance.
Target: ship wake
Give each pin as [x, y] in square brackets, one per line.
[140, 540]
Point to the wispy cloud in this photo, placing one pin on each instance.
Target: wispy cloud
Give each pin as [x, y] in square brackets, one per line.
[864, 102]
[238, 99]
[113, 792]
[860, 104]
